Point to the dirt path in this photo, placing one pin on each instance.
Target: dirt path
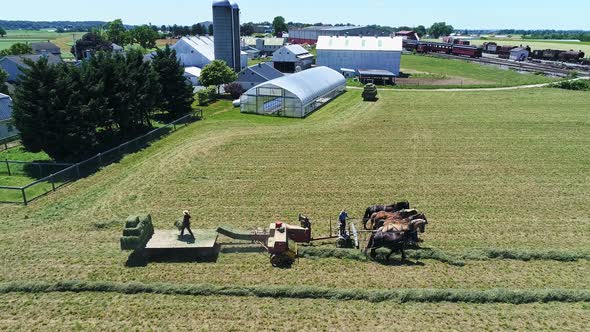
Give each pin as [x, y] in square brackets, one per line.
[531, 86]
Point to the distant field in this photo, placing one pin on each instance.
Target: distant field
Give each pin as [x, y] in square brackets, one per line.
[536, 44]
[63, 40]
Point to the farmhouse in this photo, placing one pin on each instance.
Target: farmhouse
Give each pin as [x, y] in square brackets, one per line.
[7, 128]
[295, 95]
[45, 48]
[257, 74]
[266, 46]
[292, 58]
[11, 64]
[360, 53]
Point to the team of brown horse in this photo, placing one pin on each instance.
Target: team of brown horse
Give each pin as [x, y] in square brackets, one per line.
[396, 227]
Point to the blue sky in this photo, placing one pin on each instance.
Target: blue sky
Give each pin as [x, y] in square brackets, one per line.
[538, 14]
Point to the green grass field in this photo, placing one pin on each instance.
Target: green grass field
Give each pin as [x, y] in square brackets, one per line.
[63, 40]
[504, 169]
[472, 74]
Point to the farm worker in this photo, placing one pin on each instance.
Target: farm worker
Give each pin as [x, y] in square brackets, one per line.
[342, 222]
[186, 224]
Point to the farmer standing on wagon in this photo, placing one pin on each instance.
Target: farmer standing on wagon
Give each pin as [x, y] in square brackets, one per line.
[186, 224]
[342, 222]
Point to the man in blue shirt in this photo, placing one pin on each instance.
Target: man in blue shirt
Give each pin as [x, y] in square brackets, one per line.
[342, 222]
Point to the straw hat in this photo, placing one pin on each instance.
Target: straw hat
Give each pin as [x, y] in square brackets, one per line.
[185, 212]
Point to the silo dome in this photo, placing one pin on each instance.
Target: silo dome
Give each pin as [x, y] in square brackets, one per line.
[221, 3]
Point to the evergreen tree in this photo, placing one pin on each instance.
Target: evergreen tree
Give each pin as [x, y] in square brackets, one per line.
[3, 78]
[2, 32]
[176, 95]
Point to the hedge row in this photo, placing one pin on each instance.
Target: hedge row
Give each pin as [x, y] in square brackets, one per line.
[303, 292]
[138, 231]
[450, 258]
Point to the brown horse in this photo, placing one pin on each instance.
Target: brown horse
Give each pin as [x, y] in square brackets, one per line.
[377, 219]
[387, 208]
[395, 241]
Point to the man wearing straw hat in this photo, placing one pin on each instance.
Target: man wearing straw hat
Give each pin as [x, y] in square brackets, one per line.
[186, 224]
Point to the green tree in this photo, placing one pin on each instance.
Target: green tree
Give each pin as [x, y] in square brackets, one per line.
[440, 29]
[279, 26]
[92, 42]
[116, 32]
[247, 29]
[17, 49]
[176, 96]
[50, 114]
[421, 30]
[2, 32]
[210, 30]
[144, 36]
[217, 73]
[3, 78]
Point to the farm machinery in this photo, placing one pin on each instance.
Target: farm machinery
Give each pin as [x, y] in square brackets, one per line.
[281, 239]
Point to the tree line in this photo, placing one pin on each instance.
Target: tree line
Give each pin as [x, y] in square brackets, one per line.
[71, 112]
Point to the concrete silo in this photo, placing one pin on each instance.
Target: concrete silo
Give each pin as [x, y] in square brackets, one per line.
[224, 31]
[236, 35]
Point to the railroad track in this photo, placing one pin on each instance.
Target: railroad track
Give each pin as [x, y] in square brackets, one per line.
[521, 66]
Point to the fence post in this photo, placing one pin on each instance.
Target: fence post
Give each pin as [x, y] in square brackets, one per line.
[78, 170]
[52, 182]
[100, 159]
[40, 171]
[8, 167]
[24, 196]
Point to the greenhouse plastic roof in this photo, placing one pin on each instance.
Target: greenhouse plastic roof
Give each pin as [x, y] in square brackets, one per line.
[5, 107]
[360, 43]
[308, 84]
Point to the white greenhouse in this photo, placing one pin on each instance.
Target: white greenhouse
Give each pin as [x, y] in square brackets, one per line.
[296, 95]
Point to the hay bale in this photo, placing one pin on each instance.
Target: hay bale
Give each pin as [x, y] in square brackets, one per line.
[178, 224]
[137, 233]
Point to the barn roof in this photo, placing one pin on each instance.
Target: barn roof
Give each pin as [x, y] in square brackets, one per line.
[360, 43]
[19, 59]
[266, 71]
[40, 46]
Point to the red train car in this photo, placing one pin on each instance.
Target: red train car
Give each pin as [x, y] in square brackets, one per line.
[470, 51]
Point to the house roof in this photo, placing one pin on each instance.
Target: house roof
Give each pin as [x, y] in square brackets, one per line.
[274, 41]
[44, 46]
[375, 72]
[405, 32]
[295, 49]
[360, 43]
[333, 28]
[5, 107]
[19, 59]
[193, 71]
[266, 71]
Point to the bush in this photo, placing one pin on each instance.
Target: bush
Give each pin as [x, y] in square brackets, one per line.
[579, 85]
[207, 96]
[234, 89]
[138, 231]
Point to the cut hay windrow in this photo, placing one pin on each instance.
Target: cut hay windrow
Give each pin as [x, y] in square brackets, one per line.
[456, 259]
[509, 296]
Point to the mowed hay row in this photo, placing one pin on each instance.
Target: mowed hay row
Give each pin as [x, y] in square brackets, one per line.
[302, 292]
[143, 312]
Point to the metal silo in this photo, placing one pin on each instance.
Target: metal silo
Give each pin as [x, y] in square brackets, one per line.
[236, 35]
[223, 31]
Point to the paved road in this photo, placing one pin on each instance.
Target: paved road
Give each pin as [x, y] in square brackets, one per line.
[532, 86]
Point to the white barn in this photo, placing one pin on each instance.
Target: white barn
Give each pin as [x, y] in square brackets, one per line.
[292, 58]
[360, 53]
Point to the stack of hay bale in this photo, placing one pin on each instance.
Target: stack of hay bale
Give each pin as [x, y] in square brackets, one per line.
[137, 233]
[370, 92]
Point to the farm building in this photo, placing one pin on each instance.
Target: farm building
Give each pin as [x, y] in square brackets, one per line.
[292, 58]
[360, 53]
[411, 35]
[257, 74]
[195, 51]
[310, 35]
[295, 95]
[11, 64]
[519, 54]
[266, 46]
[192, 74]
[7, 128]
[45, 48]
